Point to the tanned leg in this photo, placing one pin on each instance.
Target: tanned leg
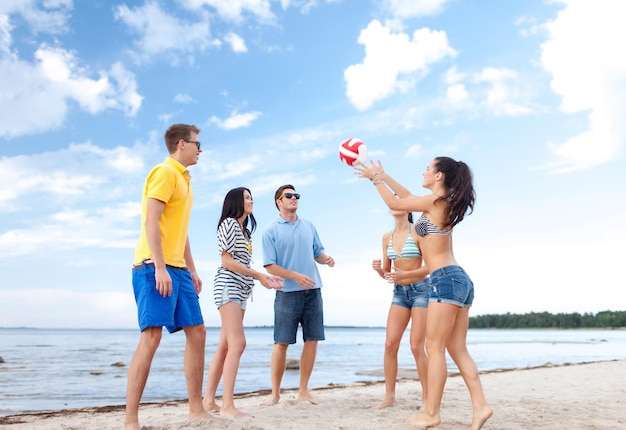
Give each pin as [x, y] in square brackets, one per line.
[418, 348]
[194, 370]
[440, 322]
[397, 320]
[277, 369]
[138, 372]
[214, 374]
[457, 347]
[307, 361]
[232, 325]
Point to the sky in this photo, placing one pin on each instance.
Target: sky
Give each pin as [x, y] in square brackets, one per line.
[532, 95]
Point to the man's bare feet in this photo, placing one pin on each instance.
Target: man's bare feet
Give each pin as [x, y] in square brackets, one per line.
[307, 397]
[210, 406]
[204, 415]
[424, 421]
[385, 404]
[131, 426]
[480, 418]
[273, 400]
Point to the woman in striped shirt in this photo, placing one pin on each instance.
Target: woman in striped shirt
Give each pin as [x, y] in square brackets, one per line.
[233, 286]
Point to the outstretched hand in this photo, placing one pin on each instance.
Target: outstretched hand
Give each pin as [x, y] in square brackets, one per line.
[271, 282]
[363, 171]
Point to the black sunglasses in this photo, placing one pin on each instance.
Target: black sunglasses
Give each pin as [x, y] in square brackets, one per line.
[290, 195]
[197, 142]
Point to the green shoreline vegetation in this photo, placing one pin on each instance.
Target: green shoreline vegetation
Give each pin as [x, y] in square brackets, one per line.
[600, 320]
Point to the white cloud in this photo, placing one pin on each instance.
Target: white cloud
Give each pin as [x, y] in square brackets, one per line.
[502, 96]
[235, 120]
[238, 168]
[160, 32]
[80, 171]
[453, 76]
[236, 43]
[83, 196]
[582, 54]
[393, 62]
[42, 16]
[72, 229]
[404, 9]
[183, 98]
[414, 152]
[457, 94]
[5, 34]
[39, 93]
[235, 10]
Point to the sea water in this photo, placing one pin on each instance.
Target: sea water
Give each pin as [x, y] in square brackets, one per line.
[51, 369]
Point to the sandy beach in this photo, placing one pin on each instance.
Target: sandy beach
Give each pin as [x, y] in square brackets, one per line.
[582, 396]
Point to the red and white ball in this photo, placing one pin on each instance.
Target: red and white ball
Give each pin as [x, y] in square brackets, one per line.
[352, 151]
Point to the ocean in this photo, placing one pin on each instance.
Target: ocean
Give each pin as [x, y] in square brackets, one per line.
[51, 369]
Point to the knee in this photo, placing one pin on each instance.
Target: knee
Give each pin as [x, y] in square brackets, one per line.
[435, 347]
[238, 346]
[391, 346]
[418, 349]
[196, 333]
[456, 351]
[151, 337]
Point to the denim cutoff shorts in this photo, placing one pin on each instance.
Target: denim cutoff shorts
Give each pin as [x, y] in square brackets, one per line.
[295, 308]
[450, 284]
[181, 309]
[225, 297]
[411, 296]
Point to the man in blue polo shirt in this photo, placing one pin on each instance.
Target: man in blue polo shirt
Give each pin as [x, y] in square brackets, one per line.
[291, 249]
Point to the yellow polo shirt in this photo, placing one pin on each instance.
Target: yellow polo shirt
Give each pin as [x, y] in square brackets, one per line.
[169, 183]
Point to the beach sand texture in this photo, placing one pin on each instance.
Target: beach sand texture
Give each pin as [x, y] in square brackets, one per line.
[569, 397]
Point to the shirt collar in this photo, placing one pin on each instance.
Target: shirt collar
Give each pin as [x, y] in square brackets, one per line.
[174, 163]
[286, 221]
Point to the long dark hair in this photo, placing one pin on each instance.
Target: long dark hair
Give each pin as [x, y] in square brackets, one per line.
[233, 208]
[460, 195]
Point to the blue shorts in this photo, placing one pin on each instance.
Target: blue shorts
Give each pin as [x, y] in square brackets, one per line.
[179, 310]
[298, 307]
[411, 296]
[450, 284]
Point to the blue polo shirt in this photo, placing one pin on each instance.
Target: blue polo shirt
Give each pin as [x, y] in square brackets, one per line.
[293, 247]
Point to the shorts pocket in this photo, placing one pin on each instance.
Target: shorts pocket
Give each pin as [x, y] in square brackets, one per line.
[459, 289]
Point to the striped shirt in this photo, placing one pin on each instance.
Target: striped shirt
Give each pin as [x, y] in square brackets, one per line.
[231, 239]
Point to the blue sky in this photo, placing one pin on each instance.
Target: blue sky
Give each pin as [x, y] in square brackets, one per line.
[532, 95]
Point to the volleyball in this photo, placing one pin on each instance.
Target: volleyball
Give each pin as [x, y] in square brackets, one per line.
[352, 151]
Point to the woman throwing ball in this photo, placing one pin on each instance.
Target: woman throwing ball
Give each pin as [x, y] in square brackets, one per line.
[451, 289]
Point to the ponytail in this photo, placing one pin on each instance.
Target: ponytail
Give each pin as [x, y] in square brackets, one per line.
[460, 195]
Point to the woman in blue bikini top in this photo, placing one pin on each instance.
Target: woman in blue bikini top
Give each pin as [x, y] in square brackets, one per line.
[401, 265]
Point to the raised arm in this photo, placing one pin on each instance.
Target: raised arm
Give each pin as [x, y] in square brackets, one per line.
[380, 179]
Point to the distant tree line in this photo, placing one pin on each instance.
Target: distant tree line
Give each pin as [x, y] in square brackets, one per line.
[605, 319]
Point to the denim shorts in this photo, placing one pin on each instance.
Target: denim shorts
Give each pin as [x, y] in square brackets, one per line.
[411, 296]
[181, 309]
[450, 284]
[295, 308]
[226, 297]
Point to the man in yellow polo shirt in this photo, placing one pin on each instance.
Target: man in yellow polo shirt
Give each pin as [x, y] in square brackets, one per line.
[165, 281]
